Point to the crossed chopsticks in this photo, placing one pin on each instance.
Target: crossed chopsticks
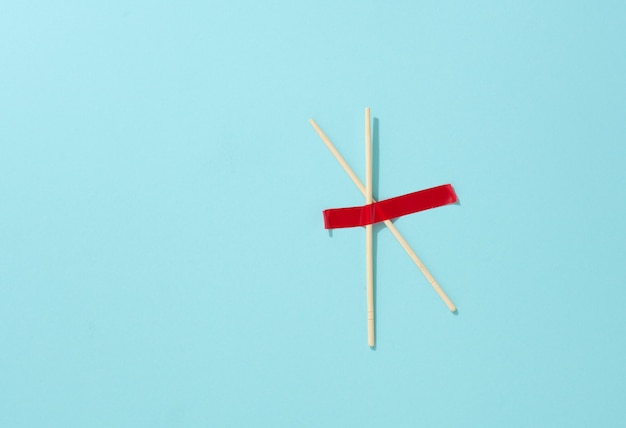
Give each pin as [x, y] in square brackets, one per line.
[367, 192]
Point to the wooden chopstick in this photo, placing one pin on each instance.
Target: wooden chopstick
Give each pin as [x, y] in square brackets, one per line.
[392, 228]
[369, 263]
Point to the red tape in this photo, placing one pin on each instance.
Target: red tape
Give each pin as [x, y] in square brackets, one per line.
[422, 200]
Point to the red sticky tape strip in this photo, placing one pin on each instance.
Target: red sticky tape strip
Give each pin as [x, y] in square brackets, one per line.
[422, 200]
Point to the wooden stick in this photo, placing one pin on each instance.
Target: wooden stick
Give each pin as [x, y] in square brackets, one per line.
[369, 262]
[388, 223]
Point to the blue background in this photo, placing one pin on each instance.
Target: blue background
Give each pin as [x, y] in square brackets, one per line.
[163, 261]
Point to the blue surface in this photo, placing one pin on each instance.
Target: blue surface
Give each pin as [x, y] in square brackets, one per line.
[162, 257]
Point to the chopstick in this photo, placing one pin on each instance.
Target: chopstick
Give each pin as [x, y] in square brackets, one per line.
[369, 265]
[392, 228]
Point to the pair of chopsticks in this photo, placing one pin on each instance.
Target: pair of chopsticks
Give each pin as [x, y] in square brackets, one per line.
[367, 192]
